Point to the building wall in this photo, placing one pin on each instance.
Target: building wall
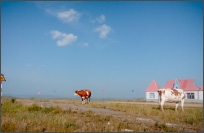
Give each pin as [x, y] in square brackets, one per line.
[155, 96]
[196, 94]
[200, 95]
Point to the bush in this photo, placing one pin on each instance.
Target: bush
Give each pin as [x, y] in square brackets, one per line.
[13, 100]
[34, 107]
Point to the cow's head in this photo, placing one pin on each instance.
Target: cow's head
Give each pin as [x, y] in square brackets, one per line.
[160, 92]
[76, 93]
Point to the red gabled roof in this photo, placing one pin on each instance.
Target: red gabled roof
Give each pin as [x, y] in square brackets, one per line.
[196, 88]
[153, 87]
[185, 84]
[201, 88]
[170, 84]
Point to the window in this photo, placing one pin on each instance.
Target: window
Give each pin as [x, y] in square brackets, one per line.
[152, 95]
[190, 96]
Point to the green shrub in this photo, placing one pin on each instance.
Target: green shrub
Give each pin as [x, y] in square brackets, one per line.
[34, 107]
[13, 100]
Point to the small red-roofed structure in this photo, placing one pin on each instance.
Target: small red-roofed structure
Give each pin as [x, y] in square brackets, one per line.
[151, 91]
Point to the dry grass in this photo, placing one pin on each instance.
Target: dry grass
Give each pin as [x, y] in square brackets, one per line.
[16, 117]
[190, 117]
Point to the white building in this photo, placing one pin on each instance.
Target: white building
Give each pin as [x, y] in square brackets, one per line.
[151, 92]
[193, 92]
[201, 93]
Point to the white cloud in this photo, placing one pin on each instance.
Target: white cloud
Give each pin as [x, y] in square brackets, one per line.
[63, 38]
[101, 19]
[85, 44]
[69, 16]
[104, 30]
[56, 34]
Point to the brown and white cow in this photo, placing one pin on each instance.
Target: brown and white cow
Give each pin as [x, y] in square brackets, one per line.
[84, 94]
[171, 95]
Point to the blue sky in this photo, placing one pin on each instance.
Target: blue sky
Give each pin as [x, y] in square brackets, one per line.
[116, 46]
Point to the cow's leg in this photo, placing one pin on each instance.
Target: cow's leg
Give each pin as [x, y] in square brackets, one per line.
[162, 104]
[182, 104]
[83, 100]
[176, 106]
[89, 99]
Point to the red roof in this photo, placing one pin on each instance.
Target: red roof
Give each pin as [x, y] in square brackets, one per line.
[201, 88]
[153, 87]
[185, 84]
[170, 84]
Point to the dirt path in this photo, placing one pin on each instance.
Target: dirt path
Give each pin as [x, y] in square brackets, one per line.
[156, 103]
[67, 106]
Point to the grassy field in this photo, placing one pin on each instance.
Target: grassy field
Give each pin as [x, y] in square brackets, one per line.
[18, 117]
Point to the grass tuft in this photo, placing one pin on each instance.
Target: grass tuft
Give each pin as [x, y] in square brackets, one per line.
[34, 107]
